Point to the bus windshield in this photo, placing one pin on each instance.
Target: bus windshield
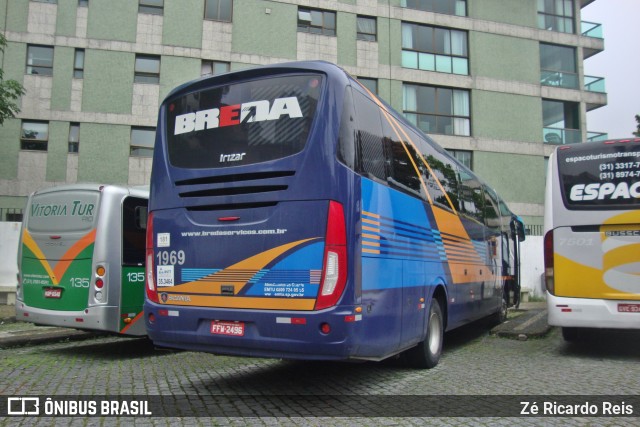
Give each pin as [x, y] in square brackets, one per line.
[242, 124]
[600, 176]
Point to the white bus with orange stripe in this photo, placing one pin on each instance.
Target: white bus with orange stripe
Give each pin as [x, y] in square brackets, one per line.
[592, 236]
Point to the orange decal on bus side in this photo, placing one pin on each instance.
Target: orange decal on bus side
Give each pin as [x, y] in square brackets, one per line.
[28, 241]
[470, 267]
[61, 267]
[237, 274]
[71, 254]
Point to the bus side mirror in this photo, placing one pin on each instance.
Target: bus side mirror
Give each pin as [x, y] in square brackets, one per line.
[141, 217]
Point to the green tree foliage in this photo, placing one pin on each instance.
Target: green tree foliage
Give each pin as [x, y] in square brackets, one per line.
[10, 91]
[637, 132]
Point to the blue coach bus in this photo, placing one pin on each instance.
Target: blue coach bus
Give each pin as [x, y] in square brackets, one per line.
[294, 215]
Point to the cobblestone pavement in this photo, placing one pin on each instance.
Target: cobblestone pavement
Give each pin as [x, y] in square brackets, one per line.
[473, 364]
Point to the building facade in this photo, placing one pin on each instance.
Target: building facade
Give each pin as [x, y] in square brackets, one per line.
[499, 83]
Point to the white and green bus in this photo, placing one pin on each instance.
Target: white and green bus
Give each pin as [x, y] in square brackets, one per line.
[592, 236]
[81, 258]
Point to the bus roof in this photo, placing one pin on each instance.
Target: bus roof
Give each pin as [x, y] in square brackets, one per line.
[139, 191]
[232, 76]
[588, 145]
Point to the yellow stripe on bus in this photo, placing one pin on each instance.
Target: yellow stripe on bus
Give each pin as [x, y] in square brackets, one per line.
[31, 244]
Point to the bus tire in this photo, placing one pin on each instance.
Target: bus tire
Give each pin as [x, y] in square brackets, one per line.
[427, 353]
[500, 316]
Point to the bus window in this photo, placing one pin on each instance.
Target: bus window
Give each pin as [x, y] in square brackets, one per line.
[243, 123]
[371, 150]
[447, 175]
[347, 138]
[402, 172]
[491, 212]
[133, 234]
[471, 195]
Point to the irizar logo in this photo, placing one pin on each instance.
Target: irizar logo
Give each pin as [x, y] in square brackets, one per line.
[231, 115]
[604, 191]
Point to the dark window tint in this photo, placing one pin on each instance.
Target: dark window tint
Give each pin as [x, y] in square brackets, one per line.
[370, 146]
[242, 123]
[491, 209]
[133, 230]
[471, 199]
[403, 159]
[600, 176]
[348, 136]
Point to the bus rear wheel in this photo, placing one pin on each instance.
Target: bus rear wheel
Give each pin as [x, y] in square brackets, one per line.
[427, 353]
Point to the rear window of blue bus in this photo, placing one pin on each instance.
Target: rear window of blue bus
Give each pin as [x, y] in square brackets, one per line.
[240, 124]
[600, 176]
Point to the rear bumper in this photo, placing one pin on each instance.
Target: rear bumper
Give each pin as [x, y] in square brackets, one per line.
[273, 334]
[591, 313]
[101, 318]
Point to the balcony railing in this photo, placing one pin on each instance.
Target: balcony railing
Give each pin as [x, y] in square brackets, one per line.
[560, 136]
[591, 29]
[597, 136]
[559, 79]
[594, 84]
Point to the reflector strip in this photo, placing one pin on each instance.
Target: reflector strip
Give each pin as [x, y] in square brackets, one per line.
[353, 318]
[291, 320]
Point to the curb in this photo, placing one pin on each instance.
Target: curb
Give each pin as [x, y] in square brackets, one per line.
[44, 335]
[530, 324]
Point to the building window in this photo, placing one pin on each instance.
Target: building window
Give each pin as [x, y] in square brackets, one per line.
[40, 60]
[367, 29]
[74, 137]
[449, 7]
[34, 135]
[463, 156]
[83, 3]
[12, 214]
[218, 10]
[316, 21]
[561, 122]
[153, 7]
[558, 66]
[214, 67]
[78, 64]
[147, 69]
[434, 49]
[371, 84]
[142, 140]
[437, 109]
[556, 15]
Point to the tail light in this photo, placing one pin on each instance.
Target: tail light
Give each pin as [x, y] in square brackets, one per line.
[548, 262]
[99, 281]
[334, 271]
[152, 292]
